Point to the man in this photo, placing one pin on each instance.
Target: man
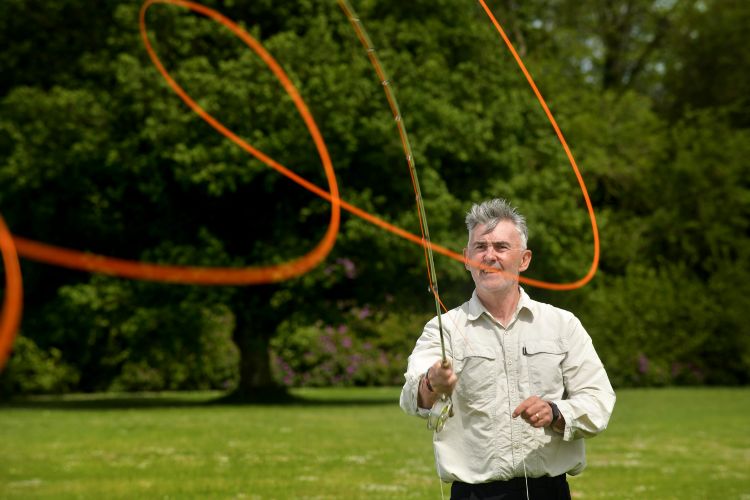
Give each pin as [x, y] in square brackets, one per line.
[524, 378]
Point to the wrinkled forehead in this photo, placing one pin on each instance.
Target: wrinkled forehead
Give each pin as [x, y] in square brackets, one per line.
[505, 230]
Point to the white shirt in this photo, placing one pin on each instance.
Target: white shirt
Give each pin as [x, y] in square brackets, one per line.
[544, 351]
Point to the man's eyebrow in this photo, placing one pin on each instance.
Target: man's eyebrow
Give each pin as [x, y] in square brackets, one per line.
[493, 242]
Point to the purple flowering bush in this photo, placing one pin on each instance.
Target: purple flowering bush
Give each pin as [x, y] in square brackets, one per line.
[369, 349]
[661, 372]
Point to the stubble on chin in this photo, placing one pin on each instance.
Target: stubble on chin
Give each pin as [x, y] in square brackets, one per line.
[494, 283]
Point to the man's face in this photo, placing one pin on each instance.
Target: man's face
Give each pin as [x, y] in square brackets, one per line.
[499, 249]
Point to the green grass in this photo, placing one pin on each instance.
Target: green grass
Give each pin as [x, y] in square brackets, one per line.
[343, 443]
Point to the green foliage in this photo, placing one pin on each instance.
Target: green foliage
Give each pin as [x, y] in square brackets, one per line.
[97, 153]
[122, 340]
[711, 56]
[32, 370]
[646, 303]
[368, 348]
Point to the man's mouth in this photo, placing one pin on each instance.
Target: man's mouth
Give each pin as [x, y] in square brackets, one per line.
[490, 270]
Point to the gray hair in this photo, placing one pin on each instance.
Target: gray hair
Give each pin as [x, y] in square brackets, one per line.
[491, 212]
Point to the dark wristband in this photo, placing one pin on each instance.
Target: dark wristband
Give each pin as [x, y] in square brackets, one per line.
[555, 412]
[427, 381]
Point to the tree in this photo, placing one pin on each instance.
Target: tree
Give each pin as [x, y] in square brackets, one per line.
[116, 164]
[708, 69]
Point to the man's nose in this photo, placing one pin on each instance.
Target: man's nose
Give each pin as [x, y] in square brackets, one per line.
[490, 254]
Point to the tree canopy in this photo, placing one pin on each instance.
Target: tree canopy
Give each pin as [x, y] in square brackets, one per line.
[98, 154]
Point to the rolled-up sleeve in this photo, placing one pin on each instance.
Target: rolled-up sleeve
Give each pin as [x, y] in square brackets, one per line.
[424, 355]
[590, 397]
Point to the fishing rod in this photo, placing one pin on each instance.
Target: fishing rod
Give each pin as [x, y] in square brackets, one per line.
[443, 407]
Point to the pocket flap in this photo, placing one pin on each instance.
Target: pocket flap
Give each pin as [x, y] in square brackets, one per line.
[466, 350]
[532, 347]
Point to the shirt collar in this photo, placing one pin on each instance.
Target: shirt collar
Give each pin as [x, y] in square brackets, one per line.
[476, 308]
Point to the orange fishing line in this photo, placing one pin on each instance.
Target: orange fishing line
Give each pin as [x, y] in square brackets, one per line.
[595, 231]
[212, 275]
[233, 276]
[90, 262]
[85, 261]
[11, 314]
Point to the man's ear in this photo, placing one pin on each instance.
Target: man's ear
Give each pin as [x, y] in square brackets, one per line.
[525, 260]
[466, 259]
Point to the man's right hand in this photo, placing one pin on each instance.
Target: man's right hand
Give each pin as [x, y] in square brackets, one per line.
[441, 379]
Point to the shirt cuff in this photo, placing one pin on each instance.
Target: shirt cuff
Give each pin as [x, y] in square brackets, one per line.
[409, 396]
[566, 414]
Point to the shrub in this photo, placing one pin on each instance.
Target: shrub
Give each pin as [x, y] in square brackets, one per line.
[369, 349]
[31, 370]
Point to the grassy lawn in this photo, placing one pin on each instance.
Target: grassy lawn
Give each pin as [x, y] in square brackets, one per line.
[343, 443]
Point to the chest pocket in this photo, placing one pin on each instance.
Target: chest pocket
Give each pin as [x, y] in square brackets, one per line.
[544, 360]
[476, 369]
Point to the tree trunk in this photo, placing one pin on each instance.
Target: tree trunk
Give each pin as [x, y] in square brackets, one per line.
[255, 325]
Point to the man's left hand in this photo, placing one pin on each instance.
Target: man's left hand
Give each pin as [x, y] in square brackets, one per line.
[535, 411]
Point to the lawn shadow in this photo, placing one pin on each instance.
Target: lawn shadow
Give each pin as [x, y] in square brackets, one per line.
[151, 400]
[102, 401]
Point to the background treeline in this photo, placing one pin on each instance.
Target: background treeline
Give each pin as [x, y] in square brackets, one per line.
[98, 154]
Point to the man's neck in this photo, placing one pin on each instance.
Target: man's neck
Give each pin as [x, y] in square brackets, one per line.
[501, 305]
